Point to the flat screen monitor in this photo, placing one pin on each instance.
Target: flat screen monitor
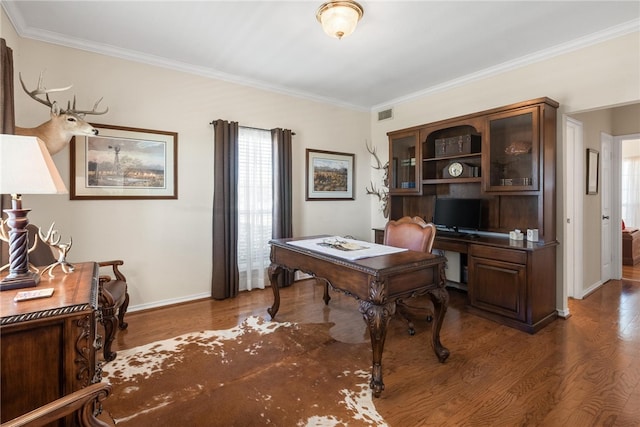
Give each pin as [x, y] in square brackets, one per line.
[458, 214]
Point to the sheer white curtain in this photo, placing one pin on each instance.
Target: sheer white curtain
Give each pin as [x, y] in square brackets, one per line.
[255, 206]
[631, 191]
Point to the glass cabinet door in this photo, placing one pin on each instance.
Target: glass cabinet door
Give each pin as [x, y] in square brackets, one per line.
[404, 160]
[512, 151]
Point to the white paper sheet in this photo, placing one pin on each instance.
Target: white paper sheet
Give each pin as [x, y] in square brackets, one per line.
[365, 249]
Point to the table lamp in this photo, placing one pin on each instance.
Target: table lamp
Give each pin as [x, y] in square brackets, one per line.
[26, 167]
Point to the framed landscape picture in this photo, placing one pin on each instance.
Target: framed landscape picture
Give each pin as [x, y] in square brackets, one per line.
[124, 163]
[329, 175]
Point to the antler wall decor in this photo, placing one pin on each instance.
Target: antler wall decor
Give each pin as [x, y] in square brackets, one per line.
[383, 192]
[57, 132]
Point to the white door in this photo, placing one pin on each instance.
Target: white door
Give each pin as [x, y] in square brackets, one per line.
[572, 237]
[606, 145]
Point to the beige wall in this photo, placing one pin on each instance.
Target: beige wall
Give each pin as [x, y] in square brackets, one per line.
[166, 245]
[626, 120]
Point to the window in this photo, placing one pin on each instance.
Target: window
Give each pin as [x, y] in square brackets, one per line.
[255, 206]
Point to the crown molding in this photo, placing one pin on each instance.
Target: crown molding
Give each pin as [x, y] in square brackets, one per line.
[580, 43]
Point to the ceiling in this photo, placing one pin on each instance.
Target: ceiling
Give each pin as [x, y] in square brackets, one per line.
[399, 50]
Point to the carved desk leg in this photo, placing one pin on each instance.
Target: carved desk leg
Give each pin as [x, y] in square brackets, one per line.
[274, 271]
[377, 314]
[440, 299]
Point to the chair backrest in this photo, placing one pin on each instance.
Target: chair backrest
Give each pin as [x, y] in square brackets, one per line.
[410, 233]
[42, 255]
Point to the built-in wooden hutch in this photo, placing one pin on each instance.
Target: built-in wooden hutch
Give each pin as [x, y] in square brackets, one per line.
[507, 158]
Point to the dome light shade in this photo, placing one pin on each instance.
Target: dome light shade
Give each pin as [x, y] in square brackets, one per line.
[339, 18]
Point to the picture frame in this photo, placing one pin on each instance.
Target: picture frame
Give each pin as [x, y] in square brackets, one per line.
[593, 172]
[329, 175]
[121, 163]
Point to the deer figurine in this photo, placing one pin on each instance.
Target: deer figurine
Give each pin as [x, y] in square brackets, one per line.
[57, 132]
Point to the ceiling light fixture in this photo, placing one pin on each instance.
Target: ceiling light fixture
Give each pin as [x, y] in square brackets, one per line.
[339, 18]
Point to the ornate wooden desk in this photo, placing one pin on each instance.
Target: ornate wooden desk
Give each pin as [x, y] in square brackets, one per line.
[49, 345]
[376, 282]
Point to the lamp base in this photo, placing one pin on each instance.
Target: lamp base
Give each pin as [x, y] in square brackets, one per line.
[19, 281]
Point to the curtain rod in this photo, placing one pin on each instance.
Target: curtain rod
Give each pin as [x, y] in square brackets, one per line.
[250, 127]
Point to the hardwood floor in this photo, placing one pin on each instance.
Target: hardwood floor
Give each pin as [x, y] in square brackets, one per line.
[582, 371]
[631, 272]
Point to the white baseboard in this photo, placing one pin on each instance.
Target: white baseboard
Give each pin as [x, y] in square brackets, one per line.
[166, 302]
[591, 289]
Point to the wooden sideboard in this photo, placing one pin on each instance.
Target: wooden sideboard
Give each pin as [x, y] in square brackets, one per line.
[49, 345]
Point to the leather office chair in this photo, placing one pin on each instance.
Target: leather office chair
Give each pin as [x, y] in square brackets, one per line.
[410, 233]
[414, 234]
[113, 297]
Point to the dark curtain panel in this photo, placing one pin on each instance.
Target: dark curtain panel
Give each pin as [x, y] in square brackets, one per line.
[282, 195]
[225, 278]
[7, 121]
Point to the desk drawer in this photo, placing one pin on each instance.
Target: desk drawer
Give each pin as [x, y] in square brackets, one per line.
[508, 255]
[406, 283]
[450, 245]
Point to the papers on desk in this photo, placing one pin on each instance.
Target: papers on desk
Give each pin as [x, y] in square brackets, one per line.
[341, 247]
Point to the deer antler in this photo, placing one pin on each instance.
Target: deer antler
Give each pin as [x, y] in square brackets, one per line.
[52, 238]
[372, 151]
[83, 112]
[376, 192]
[41, 90]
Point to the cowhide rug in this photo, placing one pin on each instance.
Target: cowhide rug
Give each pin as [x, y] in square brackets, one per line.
[258, 373]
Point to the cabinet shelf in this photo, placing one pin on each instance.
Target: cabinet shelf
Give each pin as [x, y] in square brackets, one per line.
[457, 156]
[451, 180]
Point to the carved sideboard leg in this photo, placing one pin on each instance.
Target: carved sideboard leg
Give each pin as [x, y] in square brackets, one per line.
[377, 313]
[440, 299]
[274, 271]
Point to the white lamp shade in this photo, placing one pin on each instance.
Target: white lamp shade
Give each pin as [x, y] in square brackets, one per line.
[26, 167]
[339, 18]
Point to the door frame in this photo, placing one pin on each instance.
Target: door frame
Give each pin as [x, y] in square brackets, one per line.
[574, 187]
[607, 206]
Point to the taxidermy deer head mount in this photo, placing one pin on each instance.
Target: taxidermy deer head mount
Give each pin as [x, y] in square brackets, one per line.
[57, 132]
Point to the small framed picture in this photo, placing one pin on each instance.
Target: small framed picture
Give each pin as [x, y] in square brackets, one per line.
[124, 163]
[592, 171]
[329, 175]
